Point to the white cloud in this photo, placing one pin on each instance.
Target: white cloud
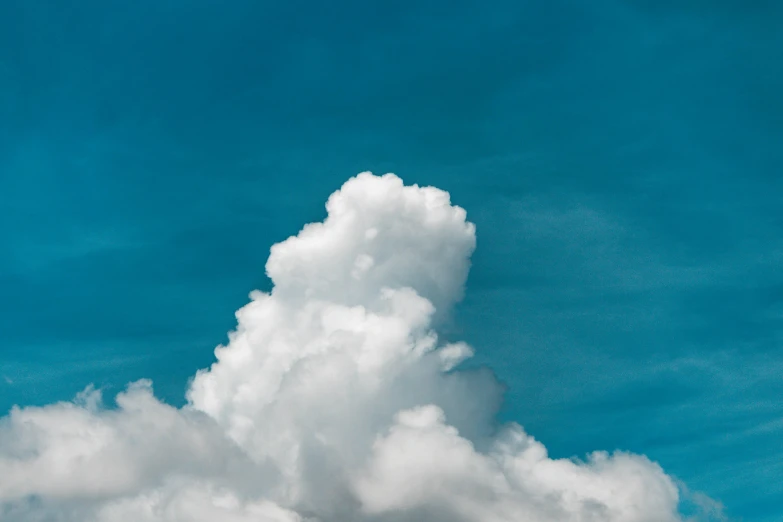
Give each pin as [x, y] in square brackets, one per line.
[332, 402]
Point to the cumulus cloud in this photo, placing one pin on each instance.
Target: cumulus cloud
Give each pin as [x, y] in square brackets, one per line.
[333, 401]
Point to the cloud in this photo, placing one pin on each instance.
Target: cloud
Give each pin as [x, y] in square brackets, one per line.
[333, 401]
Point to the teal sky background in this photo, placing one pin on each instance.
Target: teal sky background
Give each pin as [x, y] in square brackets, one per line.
[622, 160]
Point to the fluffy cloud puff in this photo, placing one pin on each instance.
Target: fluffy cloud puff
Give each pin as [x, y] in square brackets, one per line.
[333, 401]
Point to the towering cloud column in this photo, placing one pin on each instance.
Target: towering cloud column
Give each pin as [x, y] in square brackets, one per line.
[333, 401]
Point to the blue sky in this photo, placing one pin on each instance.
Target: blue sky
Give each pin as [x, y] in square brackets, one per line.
[622, 162]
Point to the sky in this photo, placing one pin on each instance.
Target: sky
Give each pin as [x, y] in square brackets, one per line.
[620, 160]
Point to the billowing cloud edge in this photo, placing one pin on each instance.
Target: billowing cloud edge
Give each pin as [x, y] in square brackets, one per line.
[333, 401]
